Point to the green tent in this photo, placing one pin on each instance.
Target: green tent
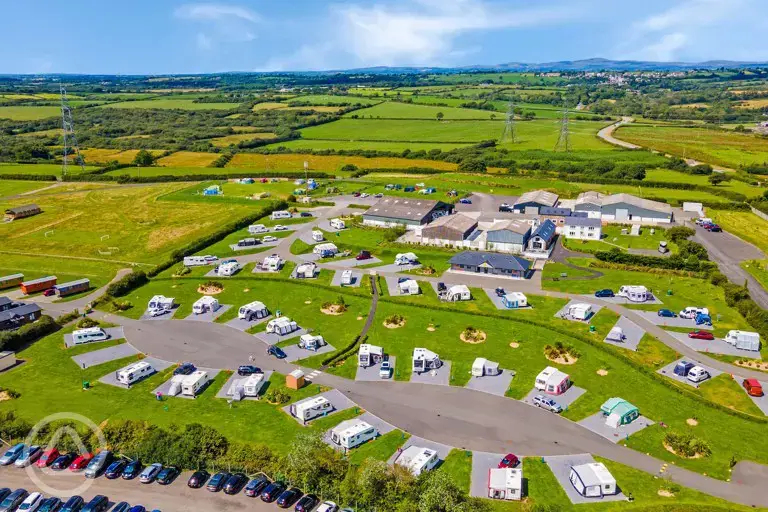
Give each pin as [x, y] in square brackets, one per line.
[619, 411]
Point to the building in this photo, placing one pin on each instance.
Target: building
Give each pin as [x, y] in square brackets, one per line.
[11, 280]
[38, 285]
[532, 201]
[411, 213]
[505, 484]
[583, 228]
[593, 480]
[295, 379]
[72, 287]
[623, 208]
[448, 230]
[541, 239]
[590, 202]
[619, 412]
[507, 236]
[19, 212]
[15, 314]
[556, 214]
[478, 262]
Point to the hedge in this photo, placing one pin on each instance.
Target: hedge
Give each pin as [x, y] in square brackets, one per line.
[14, 340]
[343, 353]
[127, 284]
[28, 177]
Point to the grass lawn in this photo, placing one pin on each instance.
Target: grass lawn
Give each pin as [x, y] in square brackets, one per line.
[380, 448]
[758, 269]
[396, 110]
[327, 99]
[745, 225]
[612, 236]
[543, 134]
[319, 145]
[553, 269]
[222, 248]
[12, 188]
[38, 169]
[28, 113]
[172, 103]
[329, 163]
[667, 175]
[411, 131]
[107, 155]
[458, 465]
[723, 389]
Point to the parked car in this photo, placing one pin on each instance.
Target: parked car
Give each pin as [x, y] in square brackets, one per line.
[289, 497]
[63, 461]
[255, 486]
[52, 504]
[385, 371]
[364, 195]
[697, 374]
[98, 464]
[28, 456]
[98, 503]
[80, 462]
[217, 481]
[50, 292]
[248, 369]
[123, 506]
[506, 207]
[132, 470]
[268, 238]
[714, 228]
[137, 508]
[667, 313]
[31, 503]
[115, 469]
[198, 479]
[701, 335]
[167, 475]
[184, 369]
[280, 227]
[355, 194]
[235, 483]
[378, 195]
[306, 504]
[363, 255]
[13, 500]
[150, 473]
[547, 403]
[753, 387]
[500, 292]
[153, 312]
[327, 506]
[510, 460]
[4, 492]
[604, 293]
[441, 287]
[305, 214]
[73, 504]
[272, 491]
[274, 350]
[47, 458]
[465, 200]
[13, 453]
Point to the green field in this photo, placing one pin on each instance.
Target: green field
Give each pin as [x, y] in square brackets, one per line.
[411, 131]
[666, 175]
[22, 113]
[319, 145]
[613, 237]
[11, 187]
[327, 99]
[172, 103]
[38, 169]
[395, 110]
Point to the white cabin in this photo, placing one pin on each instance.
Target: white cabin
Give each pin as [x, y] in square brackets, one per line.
[482, 367]
[593, 480]
[310, 408]
[253, 311]
[418, 459]
[134, 373]
[346, 278]
[552, 381]
[407, 258]
[337, 224]
[306, 270]
[205, 304]
[280, 214]
[272, 263]
[317, 235]
[456, 293]
[161, 302]
[352, 433]
[505, 484]
[281, 326]
[229, 269]
[369, 355]
[743, 340]
[311, 342]
[88, 335]
[634, 293]
[425, 360]
[193, 383]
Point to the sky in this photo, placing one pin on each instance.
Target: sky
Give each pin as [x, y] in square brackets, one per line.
[176, 36]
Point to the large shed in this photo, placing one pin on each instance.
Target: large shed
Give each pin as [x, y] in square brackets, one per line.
[19, 212]
[508, 236]
[411, 213]
[448, 230]
[626, 207]
[531, 201]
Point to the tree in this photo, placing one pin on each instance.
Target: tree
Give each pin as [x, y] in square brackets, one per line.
[472, 165]
[143, 159]
[717, 178]
[440, 116]
[493, 116]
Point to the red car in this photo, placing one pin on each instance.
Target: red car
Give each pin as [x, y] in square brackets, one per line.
[363, 255]
[80, 462]
[50, 292]
[509, 461]
[701, 335]
[47, 458]
[753, 387]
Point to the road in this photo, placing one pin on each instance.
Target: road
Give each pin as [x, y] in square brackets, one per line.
[607, 134]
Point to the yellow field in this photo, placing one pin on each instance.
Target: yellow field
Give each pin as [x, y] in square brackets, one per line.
[329, 162]
[222, 142]
[756, 103]
[42, 133]
[268, 105]
[98, 155]
[188, 159]
[129, 137]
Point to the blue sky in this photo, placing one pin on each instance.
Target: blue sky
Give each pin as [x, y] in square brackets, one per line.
[172, 36]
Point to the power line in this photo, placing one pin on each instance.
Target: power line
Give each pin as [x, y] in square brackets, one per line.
[510, 134]
[564, 139]
[70, 140]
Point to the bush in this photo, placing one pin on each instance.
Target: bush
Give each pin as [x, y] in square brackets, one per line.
[393, 233]
[68, 317]
[85, 323]
[127, 284]
[687, 445]
[182, 270]
[679, 233]
[277, 396]
[14, 340]
[120, 305]
[394, 319]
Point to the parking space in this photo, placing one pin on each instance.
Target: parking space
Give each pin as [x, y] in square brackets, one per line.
[274, 339]
[165, 316]
[338, 401]
[256, 247]
[442, 449]
[495, 385]
[104, 355]
[633, 332]
[716, 346]
[624, 300]
[209, 316]
[371, 373]
[393, 288]
[357, 278]
[566, 313]
[228, 388]
[314, 274]
[309, 257]
[294, 352]
[158, 364]
[352, 262]
[663, 321]
[561, 468]
[669, 371]
[165, 387]
[760, 401]
[244, 325]
[596, 423]
[491, 292]
[396, 268]
[565, 400]
[482, 462]
[440, 377]
[113, 333]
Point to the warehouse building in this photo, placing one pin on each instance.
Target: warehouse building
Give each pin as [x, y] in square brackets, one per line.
[448, 230]
[508, 236]
[532, 201]
[623, 208]
[411, 213]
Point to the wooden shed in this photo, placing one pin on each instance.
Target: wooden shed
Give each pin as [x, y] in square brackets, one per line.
[295, 379]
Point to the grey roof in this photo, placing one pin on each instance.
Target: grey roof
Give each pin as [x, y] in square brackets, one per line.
[582, 221]
[11, 277]
[22, 310]
[580, 214]
[457, 221]
[22, 209]
[638, 202]
[538, 196]
[400, 208]
[550, 210]
[590, 196]
[73, 283]
[546, 230]
[495, 260]
[39, 280]
[521, 228]
[4, 301]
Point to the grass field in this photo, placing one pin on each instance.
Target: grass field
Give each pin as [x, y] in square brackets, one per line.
[395, 110]
[52, 169]
[295, 162]
[53, 132]
[543, 134]
[188, 159]
[327, 99]
[11, 188]
[758, 269]
[22, 113]
[666, 175]
[228, 140]
[319, 145]
[613, 237]
[172, 103]
[725, 148]
[745, 225]
[102, 156]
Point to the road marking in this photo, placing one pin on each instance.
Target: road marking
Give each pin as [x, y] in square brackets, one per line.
[314, 374]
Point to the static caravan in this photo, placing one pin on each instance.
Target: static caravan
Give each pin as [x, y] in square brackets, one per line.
[407, 258]
[352, 433]
[280, 214]
[425, 360]
[306, 270]
[635, 293]
[513, 300]
[346, 278]
[38, 285]
[552, 381]
[193, 383]
[134, 373]
[310, 342]
[255, 229]
[272, 263]
[418, 459]
[337, 224]
[252, 384]
[485, 368]
[369, 355]
[253, 311]
[744, 340]
[593, 480]
[505, 484]
[408, 287]
[317, 235]
[310, 408]
[580, 311]
[205, 304]
[281, 326]
[325, 250]
[229, 269]
[195, 261]
[11, 281]
[456, 293]
[161, 302]
[88, 335]
[72, 287]
[616, 334]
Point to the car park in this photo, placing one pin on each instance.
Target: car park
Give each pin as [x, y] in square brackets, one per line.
[98, 464]
[63, 461]
[98, 503]
[13, 453]
[510, 460]
[385, 371]
[327, 506]
[31, 503]
[288, 497]
[52, 504]
[217, 481]
[13, 500]
[198, 479]
[80, 462]
[167, 475]
[235, 483]
[274, 350]
[306, 503]
[150, 473]
[363, 255]
[753, 387]
[248, 369]
[185, 369]
[701, 335]
[666, 313]
[47, 458]
[604, 293]
[115, 469]
[132, 470]
[547, 403]
[123, 506]
[272, 491]
[73, 504]
[28, 456]
[255, 486]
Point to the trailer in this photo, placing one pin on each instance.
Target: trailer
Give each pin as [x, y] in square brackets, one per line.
[38, 285]
[425, 360]
[229, 269]
[72, 287]
[11, 280]
[369, 355]
[744, 340]
[634, 293]
[337, 224]
[456, 293]
[407, 258]
[311, 342]
[134, 373]
[311, 408]
[417, 459]
[89, 335]
[616, 334]
[306, 270]
[248, 242]
[514, 300]
[346, 278]
[193, 383]
[281, 326]
[325, 250]
[317, 235]
[198, 261]
[485, 368]
[161, 302]
[505, 484]
[280, 214]
[352, 433]
[253, 311]
[272, 263]
[408, 287]
[593, 480]
[205, 304]
[580, 311]
[552, 381]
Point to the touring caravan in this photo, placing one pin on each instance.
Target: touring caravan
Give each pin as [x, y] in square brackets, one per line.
[253, 311]
[408, 287]
[272, 263]
[407, 258]
[593, 480]
[311, 342]
[425, 360]
[88, 335]
[134, 373]
[325, 250]
[205, 304]
[255, 229]
[634, 293]
[280, 214]
[417, 459]
[514, 300]
[552, 381]
[310, 408]
[352, 433]
[252, 384]
[161, 302]
[337, 224]
[306, 270]
[195, 261]
[369, 355]
[317, 235]
[456, 293]
[193, 383]
[281, 326]
[346, 278]
[485, 368]
[744, 340]
[616, 334]
[229, 269]
[505, 484]
[580, 311]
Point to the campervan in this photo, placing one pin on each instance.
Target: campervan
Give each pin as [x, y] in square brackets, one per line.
[634, 293]
[369, 355]
[317, 235]
[408, 287]
[205, 304]
[691, 311]
[311, 342]
[311, 408]
[229, 269]
[407, 258]
[281, 326]
[255, 229]
[456, 293]
[306, 270]
[337, 224]
[351, 433]
[417, 459]
[743, 340]
[193, 383]
[253, 311]
[697, 374]
[272, 263]
[616, 334]
[485, 368]
[161, 302]
[88, 335]
[425, 360]
[134, 373]
[280, 214]
[346, 278]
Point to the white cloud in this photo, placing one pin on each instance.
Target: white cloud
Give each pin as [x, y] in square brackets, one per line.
[214, 12]
[221, 22]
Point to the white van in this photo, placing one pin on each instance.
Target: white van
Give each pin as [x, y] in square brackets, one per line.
[229, 269]
[697, 374]
[88, 335]
[691, 312]
[280, 214]
[134, 373]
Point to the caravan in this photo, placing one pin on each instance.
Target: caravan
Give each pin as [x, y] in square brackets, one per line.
[197, 261]
[580, 311]
[326, 250]
[514, 300]
[407, 258]
[310, 342]
[205, 304]
[417, 459]
[317, 235]
[593, 480]
[485, 368]
[635, 293]
[161, 303]
[369, 355]
[88, 335]
[425, 360]
[306, 270]
[255, 229]
[228, 269]
[281, 326]
[252, 384]
[346, 278]
[744, 340]
[134, 373]
[616, 334]
[408, 287]
[280, 214]
[351, 433]
[552, 381]
[337, 224]
[310, 408]
[253, 311]
[272, 263]
[193, 383]
[456, 293]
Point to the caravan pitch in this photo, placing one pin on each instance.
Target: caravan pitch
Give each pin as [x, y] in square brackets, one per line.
[295, 353]
[357, 278]
[632, 331]
[716, 346]
[669, 371]
[441, 377]
[158, 364]
[223, 392]
[596, 423]
[565, 400]
[482, 463]
[561, 468]
[371, 373]
[563, 313]
[165, 387]
[114, 333]
[495, 385]
[244, 325]
[662, 321]
[209, 316]
[104, 355]
[338, 401]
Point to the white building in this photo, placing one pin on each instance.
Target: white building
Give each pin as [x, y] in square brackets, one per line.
[623, 208]
[505, 484]
[582, 228]
[593, 480]
[417, 459]
[352, 433]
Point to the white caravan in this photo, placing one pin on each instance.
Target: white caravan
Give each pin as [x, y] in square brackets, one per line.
[175, 388]
[634, 293]
[280, 214]
[352, 433]
[317, 235]
[691, 311]
[325, 250]
[408, 287]
[193, 383]
[88, 335]
[407, 258]
[337, 224]
[369, 355]
[580, 311]
[253, 311]
[306, 270]
[743, 340]
[311, 342]
[505, 484]
[485, 368]
[205, 304]
[252, 384]
[346, 278]
[161, 302]
[255, 229]
[311, 408]
[281, 326]
[417, 459]
[425, 360]
[198, 261]
[134, 373]
[593, 480]
[272, 263]
[229, 269]
[456, 293]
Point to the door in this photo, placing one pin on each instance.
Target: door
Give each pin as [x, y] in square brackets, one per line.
[622, 214]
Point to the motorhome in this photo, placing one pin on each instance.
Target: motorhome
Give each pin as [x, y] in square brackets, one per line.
[311, 342]
[369, 355]
[352, 433]
[337, 224]
[280, 214]
[691, 311]
[325, 250]
[281, 326]
[425, 360]
[407, 258]
[552, 381]
[205, 304]
[161, 302]
[88, 335]
[229, 269]
[272, 263]
[310, 408]
[417, 459]
[253, 311]
[317, 235]
[743, 340]
[346, 278]
[485, 368]
[134, 373]
[256, 229]
[455, 293]
[193, 383]
[408, 287]
[306, 270]
[634, 293]
[593, 480]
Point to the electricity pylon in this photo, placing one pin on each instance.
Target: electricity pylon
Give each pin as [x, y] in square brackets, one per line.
[509, 126]
[70, 140]
[564, 140]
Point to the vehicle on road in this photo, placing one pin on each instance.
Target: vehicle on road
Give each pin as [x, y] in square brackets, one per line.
[272, 491]
[13, 453]
[13, 500]
[150, 473]
[185, 369]
[115, 469]
[385, 371]
[81, 461]
[465, 200]
[307, 503]
[363, 255]
[274, 350]
[288, 497]
[167, 475]
[604, 293]
[248, 369]
[279, 227]
[132, 470]
[73, 504]
[98, 503]
[701, 335]
[753, 387]
[63, 461]
[327, 506]
[268, 238]
[47, 458]
[378, 195]
[547, 403]
[31, 503]
[666, 313]
[355, 194]
[217, 481]
[510, 460]
[198, 479]
[52, 504]
[235, 483]
[28, 456]
[255, 486]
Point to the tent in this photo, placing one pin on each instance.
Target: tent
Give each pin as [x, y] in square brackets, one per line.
[408, 287]
[619, 412]
[456, 293]
[616, 334]
[483, 367]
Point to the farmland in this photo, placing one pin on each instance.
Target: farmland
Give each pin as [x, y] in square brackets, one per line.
[394, 110]
[320, 145]
[39, 169]
[103, 156]
[168, 103]
[328, 163]
[188, 159]
[28, 113]
[222, 142]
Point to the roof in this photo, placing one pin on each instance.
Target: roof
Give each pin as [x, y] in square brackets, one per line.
[639, 202]
[367, 348]
[505, 478]
[546, 230]
[255, 305]
[457, 221]
[22, 209]
[492, 259]
[538, 196]
[312, 401]
[594, 473]
[12, 276]
[590, 196]
[297, 374]
[559, 212]
[405, 209]
[22, 310]
[423, 353]
[415, 457]
[135, 366]
[617, 405]
[73, 283]
[552, 373]
[39, 280]
[520, 228]
[351, 427]
[582, 222]
[4, 300]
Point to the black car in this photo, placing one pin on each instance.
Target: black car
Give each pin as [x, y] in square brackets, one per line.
[272, 491]
[500, 292]
[63, 461]
[305, 214]
[99, 503]
[217, 481]
[73, 504]
[132, 470]
[13, 500]
[184, 369]
[289, 497]
[198, 479]
[307, 503]
[4, 492]
[123, 506]
[604, 293]
[235, 483]
[256, 485]
[167, 475]
[248, 369]
[115, 469]
[52, 504]
[441, 287]
[274, 350]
